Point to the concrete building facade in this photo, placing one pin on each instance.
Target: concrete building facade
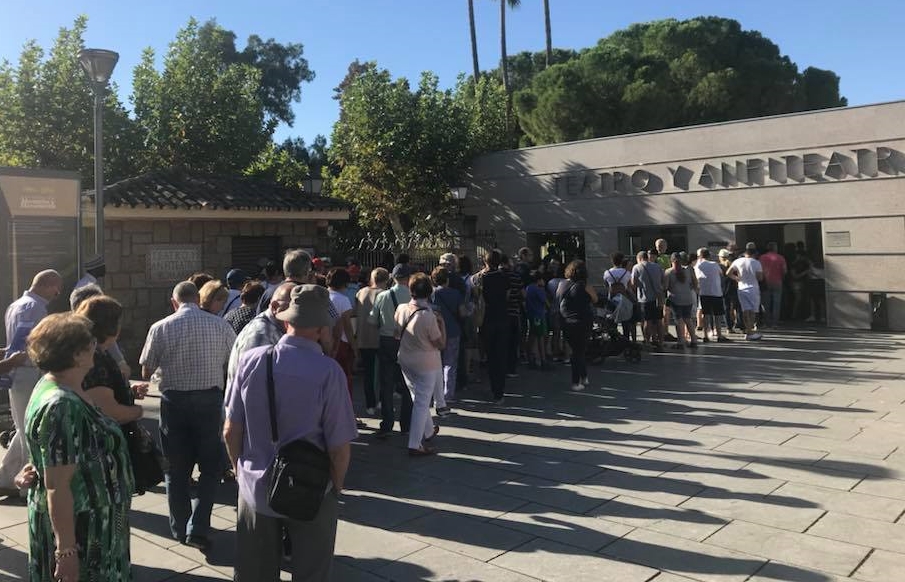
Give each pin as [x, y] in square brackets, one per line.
[831, 180]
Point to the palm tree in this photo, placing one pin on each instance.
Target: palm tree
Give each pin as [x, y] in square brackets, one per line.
[474, 41]
[547, 30]
[505, 63]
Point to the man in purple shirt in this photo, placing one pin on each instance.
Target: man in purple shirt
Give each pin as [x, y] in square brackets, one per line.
[312, 402]
[21, 317]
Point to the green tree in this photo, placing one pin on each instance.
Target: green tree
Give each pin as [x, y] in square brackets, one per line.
[279, 165]
[396, 151]
[668, 73]
[283, 67]
[203, 111]
[46, 113]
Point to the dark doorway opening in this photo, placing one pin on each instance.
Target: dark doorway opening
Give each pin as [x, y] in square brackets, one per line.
[801, 244]
[563, 246]
[633, 239]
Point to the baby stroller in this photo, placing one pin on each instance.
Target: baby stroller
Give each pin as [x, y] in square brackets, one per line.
[7, 428]
[606, 338]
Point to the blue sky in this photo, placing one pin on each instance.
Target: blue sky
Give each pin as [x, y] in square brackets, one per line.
[862, 42]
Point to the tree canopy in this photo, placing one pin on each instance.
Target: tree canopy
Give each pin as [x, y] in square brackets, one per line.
[396, 151]
[212, 107]
[669, 73]
[46, 114]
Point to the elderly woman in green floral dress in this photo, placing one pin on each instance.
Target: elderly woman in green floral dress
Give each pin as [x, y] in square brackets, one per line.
[78, 507]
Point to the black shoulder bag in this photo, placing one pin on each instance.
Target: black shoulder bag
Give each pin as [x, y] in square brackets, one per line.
[300, 473]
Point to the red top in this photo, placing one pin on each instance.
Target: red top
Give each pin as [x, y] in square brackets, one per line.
[774, 266]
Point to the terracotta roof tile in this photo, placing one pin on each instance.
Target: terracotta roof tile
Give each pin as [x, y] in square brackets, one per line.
[181, 189]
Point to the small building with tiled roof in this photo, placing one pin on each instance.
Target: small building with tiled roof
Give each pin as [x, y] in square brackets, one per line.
[164, 225]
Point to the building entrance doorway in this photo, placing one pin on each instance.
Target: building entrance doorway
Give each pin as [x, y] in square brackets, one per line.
[801, 244]
[562, 246]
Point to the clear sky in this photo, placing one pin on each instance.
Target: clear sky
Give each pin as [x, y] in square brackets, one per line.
[863, 42]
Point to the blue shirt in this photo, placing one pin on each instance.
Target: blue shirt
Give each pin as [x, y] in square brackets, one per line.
[22, 316]
[312, 403]
[447, 301]
[535, 302]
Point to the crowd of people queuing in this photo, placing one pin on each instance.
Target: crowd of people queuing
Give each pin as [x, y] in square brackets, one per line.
[246, 365]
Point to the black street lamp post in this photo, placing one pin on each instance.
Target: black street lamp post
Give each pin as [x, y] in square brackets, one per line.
[98, 65]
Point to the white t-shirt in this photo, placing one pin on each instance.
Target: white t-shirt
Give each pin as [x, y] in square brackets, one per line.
[710, 278]
[748, 269]
[342, 304]
[617, 274]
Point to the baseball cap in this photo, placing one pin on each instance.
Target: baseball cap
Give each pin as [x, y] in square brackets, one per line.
[447, 259]
[724, 254]
[309, 306]
[401, 271]
[236, 276]
[317, 263]
[750, 247]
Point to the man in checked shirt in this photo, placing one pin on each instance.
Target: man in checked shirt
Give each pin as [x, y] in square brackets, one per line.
[190, 348]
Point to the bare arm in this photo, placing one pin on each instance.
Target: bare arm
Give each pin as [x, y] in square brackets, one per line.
[732, 273]
[103, 397]
[62, 516]
[339, 465]
[13, 361]
[233, 433]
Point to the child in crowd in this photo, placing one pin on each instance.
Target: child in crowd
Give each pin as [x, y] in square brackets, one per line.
[536, 311]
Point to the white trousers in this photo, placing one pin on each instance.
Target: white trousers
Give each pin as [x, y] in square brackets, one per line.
[24, 382]
[422, 386]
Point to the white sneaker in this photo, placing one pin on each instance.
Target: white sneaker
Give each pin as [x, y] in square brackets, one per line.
[753, 337]
[585, 381]
[577, 387]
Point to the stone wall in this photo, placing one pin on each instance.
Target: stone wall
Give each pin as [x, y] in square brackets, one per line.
[144, 302]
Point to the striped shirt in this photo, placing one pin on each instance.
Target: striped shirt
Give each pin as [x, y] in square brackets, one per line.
[263, 330]
[190, 347]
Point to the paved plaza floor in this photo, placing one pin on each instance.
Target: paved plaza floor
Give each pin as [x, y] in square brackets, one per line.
[780, 460]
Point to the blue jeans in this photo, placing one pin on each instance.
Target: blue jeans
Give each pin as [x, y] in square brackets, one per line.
[450, 357]
[190, 425]
[772, 298]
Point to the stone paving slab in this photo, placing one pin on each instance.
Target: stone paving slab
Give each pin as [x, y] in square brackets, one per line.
[795, 548]
[780, 461]
[688, 558]
[560, 563]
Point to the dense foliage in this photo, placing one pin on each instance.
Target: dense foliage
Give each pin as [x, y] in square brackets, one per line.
[668, 73]
[397, 150]
[212, 107]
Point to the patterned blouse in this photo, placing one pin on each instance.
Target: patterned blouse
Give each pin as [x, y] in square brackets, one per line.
[62, 429]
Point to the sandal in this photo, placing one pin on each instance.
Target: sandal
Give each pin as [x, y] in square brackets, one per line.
[423, 451]
[360, 423]
[436, 432]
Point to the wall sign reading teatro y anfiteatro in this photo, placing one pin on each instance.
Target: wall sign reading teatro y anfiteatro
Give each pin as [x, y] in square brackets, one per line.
[858, 163]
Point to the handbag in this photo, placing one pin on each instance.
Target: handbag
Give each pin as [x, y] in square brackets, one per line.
[300, 473]
[405, 326]
[148, 462]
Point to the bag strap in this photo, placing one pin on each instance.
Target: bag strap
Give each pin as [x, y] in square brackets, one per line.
[393, 298]
[230, 304]
[271, 397]
[408, 320]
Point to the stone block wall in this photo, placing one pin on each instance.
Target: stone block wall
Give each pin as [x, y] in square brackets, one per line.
[144, 302]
